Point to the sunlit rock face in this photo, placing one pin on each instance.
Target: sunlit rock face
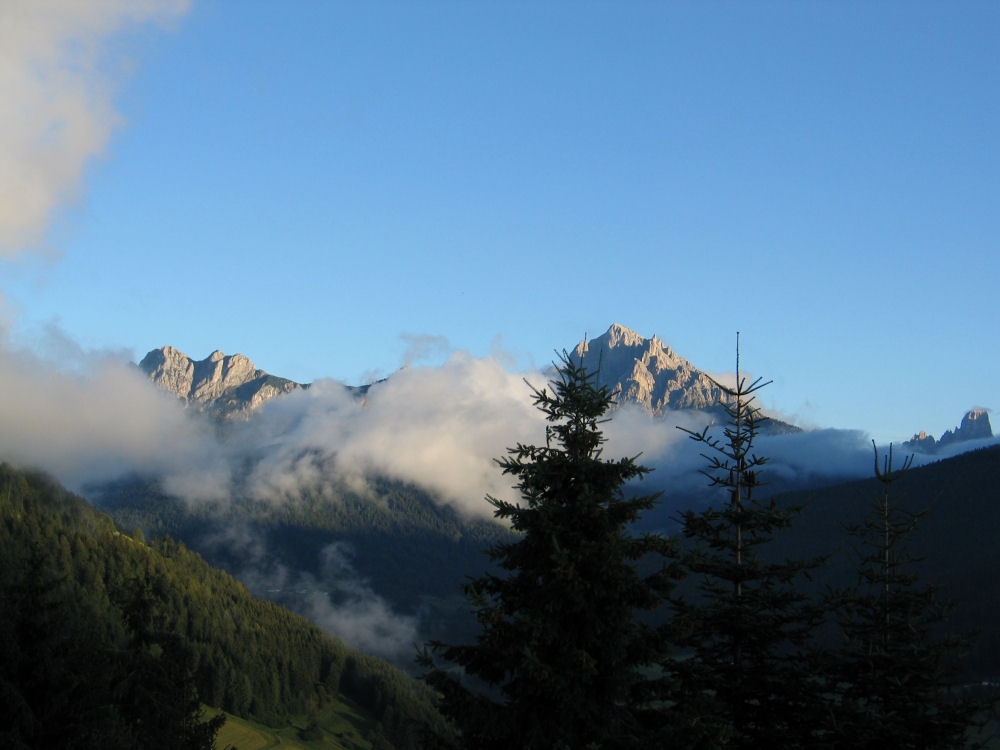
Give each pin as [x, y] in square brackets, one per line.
[975, 426]
[646, 372]
[221, 385]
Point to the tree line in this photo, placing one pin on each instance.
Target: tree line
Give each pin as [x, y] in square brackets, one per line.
[593, 636]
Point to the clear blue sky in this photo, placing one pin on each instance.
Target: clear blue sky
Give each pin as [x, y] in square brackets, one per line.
[319, 184]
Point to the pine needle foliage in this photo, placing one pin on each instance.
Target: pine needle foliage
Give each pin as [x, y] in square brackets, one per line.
[743, 635]
[561, 660]
[894, 674]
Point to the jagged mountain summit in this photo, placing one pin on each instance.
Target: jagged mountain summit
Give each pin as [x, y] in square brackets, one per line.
[975, 426]
[646, 372]
[220, 385]
[640, 371]
[649, 374]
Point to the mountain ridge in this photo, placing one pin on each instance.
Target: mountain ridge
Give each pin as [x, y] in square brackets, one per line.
[644, 372]
[221, 385]
[640, 371]
[975, 425]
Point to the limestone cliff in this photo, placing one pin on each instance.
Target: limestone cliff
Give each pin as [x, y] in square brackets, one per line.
[221, 385]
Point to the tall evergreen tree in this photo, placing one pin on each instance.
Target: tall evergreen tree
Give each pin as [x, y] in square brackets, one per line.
[894, 675]
[743, 635]
[561, 658]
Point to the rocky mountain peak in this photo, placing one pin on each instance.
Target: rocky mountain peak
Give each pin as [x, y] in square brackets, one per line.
[975, 425]
[651, 375]
[646, 372]
[978, 416]
[619, 335]
[222, 385]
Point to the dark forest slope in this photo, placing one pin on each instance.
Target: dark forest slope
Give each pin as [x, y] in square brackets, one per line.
[957, 539]
[409, 549]
[77, 593]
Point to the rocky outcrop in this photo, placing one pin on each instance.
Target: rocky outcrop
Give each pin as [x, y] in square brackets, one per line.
[221, 385]
[922, 442]
[975, 426]
[649, 374]
[646, 372]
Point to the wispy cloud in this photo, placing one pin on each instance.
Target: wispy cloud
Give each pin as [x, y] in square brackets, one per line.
[352, 610]
[421, 347]
[336, 597]
[58, 81]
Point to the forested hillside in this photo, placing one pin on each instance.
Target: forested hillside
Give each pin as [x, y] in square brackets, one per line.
[102, 630]
[955, 541]
[412, 551]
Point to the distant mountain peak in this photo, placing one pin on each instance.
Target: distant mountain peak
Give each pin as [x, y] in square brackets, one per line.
[975, 425]
[221, 385]
[617, 335]
[646, 372]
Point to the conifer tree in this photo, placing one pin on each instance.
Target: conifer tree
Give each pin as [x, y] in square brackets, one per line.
[894, 675]
[742, 680]
[559, 661]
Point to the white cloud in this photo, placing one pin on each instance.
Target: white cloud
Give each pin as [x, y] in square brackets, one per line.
[88, 416]
[440, 428]
[57, 84]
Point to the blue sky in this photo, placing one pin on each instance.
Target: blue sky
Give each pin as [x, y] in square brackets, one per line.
[323, 185]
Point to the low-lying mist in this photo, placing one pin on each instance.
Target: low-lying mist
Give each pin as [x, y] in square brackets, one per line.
[337, 597]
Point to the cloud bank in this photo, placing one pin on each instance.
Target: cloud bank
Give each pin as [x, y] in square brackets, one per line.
[58, 82]
[92, 416]
[440, 428]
